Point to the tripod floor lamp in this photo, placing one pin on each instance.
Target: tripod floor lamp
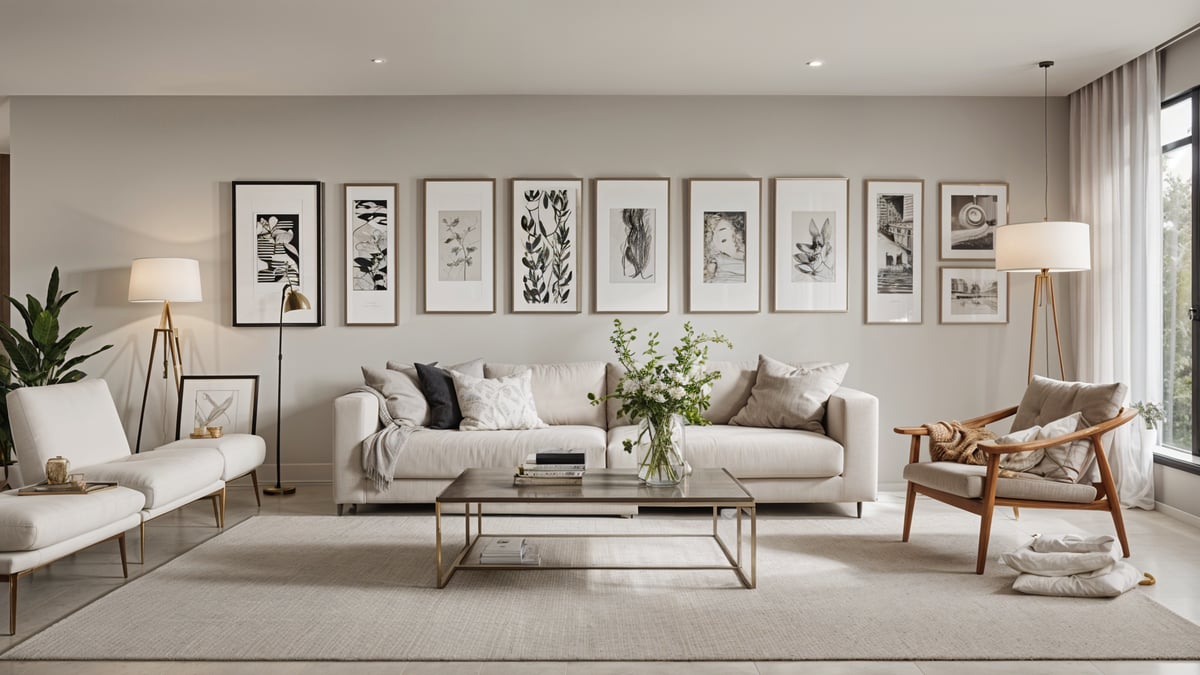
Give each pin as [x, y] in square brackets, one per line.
[164, 280]
[290, 300]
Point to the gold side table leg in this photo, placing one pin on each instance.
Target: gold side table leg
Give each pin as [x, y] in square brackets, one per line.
[754, 546]
[739, 536]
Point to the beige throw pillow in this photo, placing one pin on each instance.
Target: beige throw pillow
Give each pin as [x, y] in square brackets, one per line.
[500, 403]
[787, 397]
[402, 392]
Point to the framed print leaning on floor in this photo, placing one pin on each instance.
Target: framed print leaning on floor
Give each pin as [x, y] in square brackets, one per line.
[811, 242]
[226, 401]
[460, 245]
[277, 240]
[632, 248]
[724, 229]
[370, 222]
[893, 213]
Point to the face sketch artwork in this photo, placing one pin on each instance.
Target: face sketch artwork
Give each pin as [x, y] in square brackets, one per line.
[724, 247]
[632, 245]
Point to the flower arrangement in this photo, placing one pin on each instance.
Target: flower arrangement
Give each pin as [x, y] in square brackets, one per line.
[654, 391]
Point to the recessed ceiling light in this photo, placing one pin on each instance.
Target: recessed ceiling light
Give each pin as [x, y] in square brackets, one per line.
[815, 63]
[378, 61]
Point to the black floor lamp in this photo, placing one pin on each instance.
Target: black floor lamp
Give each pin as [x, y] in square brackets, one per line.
[290, 301]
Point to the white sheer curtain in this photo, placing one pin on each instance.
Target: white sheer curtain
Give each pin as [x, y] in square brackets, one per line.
[1116, 308]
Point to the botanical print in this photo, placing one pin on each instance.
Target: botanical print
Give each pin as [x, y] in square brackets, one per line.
[370, 238]
[216, 407]
[547, 247]
[632, 245]
[894, 254]
[813, 257]
[973, 222]
[724, 247]
[458, 249]
[278, 247]
[974, 296]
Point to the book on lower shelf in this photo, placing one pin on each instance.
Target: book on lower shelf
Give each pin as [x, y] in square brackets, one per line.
[509, 551]
[66, 488]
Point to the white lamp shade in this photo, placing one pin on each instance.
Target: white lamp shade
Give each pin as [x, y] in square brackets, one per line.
[164, 279]
[1056, 246]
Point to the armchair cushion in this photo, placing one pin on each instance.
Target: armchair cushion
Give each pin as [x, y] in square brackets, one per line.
[1046, 400]
[966, 480]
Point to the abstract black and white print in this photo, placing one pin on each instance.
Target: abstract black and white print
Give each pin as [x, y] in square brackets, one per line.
[371, 244]
[278, 248]
[216, 407]
[459, 237]
[632, 245]
[894, 244]
[973, 220]
[813, 258]
[724, 247]
[546, 248]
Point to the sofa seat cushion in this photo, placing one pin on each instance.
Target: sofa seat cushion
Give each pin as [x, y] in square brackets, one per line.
[161, 475]
[445, 453]
[748, 452]
[31, 523]
[242, 453]
[966, 480]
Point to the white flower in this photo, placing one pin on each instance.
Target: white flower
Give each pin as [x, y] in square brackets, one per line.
[677, 392]
[658, 396]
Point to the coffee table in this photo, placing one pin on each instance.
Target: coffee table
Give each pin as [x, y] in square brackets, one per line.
[715, 488]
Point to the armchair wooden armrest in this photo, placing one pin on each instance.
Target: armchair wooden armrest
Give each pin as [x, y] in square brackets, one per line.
[1094, 431]
[981, 421]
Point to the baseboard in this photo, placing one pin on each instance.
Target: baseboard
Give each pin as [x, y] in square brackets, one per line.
[300, 474]
[1178, 514]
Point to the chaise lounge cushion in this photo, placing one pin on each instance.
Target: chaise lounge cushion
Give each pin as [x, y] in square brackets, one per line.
[966, 480]
[242, 453]
[163, 476]
[748, 452]
[433, 453]
[31, 523]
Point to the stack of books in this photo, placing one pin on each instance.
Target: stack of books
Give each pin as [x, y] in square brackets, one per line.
[509, 551]
[551, 467]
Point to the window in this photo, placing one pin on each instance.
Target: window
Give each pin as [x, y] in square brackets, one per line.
[1181, 172]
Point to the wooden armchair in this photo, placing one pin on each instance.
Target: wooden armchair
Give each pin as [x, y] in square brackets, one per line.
[980, 489]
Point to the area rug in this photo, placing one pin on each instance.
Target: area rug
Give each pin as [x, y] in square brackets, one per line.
[829, 588]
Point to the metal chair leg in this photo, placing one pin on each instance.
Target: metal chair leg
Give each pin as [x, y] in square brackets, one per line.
[257, 493]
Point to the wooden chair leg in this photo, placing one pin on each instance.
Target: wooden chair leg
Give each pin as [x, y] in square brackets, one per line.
[1016, 513]
[12, 603]
[989, 506]
[257, 493]
[1114, 507]
[909, 502]
[223, 493]
[216, 504]
[124, 558]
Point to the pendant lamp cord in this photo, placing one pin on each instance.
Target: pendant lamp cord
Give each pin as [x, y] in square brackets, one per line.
[1046, 141]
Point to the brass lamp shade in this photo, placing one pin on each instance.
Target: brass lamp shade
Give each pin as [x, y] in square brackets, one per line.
[295, 301]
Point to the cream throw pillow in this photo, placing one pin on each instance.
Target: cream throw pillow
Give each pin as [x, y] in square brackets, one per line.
[1021, 461]
[402, 391]
[787, 397]
[500, 403]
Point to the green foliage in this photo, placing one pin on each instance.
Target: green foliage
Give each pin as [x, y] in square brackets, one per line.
[1151, 414]
[39, 356]
[659, 388]
[1177, 300]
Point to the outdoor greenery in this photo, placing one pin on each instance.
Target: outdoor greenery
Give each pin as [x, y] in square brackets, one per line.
[1177, 301]
[39, 355]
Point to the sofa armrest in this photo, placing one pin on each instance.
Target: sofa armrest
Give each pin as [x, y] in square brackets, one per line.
[355, 416]
[852, 419]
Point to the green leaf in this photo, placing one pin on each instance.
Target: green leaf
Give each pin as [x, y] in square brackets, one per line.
[52, 289]
[22, 311]
[45, 330]
[35, 307]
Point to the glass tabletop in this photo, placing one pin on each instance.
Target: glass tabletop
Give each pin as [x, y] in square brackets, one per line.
[618, 486]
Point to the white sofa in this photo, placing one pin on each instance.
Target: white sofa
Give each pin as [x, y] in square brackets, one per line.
[776, 465]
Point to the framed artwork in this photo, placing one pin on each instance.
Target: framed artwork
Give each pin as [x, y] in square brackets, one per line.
[226, 401]
[545, 245]
[811, 217]
[974, 295]
[724, 247]
[277, 240]
[968, 215]
[893, 211]
[460, 245]
[632, 220]
[370, 221]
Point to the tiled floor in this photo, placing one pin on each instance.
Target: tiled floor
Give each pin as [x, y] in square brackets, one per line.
[1166, 547]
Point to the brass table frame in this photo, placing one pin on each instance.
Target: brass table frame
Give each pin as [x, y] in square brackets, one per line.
[747, 507]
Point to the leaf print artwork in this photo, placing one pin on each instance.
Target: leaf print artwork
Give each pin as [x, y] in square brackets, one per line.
[370, 245]
[459, 238]
[277, 248]
[546, 253]
[213, 408]
[812, 247]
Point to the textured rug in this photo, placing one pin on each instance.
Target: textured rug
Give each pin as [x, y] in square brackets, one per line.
[362, 588]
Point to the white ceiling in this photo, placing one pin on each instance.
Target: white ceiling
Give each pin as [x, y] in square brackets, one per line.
[323, 47]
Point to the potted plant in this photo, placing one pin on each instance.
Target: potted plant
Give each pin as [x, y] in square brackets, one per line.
[37, 356]
[1152, 415]
[660, 396]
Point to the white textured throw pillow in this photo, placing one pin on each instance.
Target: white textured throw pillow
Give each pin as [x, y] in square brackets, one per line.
[1107, 582]
[1066, 462]
[500, 403]
[1021, 461]
[1058, 563]
[786, 397]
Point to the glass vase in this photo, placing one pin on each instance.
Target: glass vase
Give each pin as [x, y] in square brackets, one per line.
[660, 450]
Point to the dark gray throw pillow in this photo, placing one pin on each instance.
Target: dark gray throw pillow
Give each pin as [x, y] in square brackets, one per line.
[438, 387]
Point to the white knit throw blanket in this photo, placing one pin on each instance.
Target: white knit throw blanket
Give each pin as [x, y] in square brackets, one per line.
[381, 450]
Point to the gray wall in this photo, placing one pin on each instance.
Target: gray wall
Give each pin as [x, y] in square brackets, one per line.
[99, 181]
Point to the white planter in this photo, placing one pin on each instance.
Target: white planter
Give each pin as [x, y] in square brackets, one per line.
[1149, 437]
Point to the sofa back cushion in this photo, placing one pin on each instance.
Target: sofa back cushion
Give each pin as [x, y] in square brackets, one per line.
[560, 389]
[77, 420]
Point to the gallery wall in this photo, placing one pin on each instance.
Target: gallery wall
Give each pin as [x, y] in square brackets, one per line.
[98, 181]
